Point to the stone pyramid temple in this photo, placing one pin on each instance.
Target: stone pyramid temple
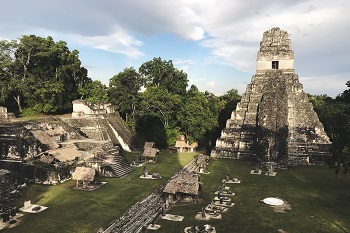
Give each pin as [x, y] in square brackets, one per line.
[274, 121]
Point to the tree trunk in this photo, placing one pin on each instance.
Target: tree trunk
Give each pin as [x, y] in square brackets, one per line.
[18, 101]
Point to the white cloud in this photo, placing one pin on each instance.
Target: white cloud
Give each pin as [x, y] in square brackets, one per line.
[117, 42]
[187, 62]
[235, 39]
[331, 84]
[211, 84]
[230, 30]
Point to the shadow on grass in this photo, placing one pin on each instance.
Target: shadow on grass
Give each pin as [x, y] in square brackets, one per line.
[318, 202]
[73, 210]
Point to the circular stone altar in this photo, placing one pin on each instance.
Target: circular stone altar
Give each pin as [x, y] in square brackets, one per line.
[273, 201]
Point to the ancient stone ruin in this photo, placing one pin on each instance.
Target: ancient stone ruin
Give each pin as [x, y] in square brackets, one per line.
[274, 120]
[5, 116]
[102, 122]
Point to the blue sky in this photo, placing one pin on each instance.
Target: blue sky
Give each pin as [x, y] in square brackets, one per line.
[214, 42]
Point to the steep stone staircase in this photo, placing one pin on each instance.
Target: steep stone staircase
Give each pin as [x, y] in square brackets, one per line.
[115, 122]
[116, 161]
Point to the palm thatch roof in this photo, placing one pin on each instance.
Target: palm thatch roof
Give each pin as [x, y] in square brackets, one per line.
[187, 183]
[184, 144]
[84, 174]
[65, 154]
[44, 138]
[149, 145]
[181, 144]
[150, 152]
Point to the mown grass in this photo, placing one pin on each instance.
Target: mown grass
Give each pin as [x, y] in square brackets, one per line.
[73, 210]
[319, 203]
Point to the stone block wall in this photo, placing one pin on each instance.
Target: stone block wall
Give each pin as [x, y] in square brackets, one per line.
[274, 119]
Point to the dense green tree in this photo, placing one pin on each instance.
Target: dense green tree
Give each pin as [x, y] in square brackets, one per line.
[47, 97]
[345, 96]
[94, 92]
[159, 102]
[335, 116]
[162, 73]
[231, 98]
[123, 92]
[34, 63]
[7, 68]
[197, 116]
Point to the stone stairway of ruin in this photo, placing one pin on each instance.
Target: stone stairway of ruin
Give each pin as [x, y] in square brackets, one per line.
[144, 212]
[117, 162]
[274, 119]
[129, 138]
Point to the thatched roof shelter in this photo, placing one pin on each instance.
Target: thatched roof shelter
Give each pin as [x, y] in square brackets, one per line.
[182, 145]
[179, 144]
[187, 183]
[65, 154]
[148, 145]
[151, 152]
[84, 174]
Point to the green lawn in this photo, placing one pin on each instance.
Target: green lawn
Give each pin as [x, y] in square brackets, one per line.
[319, 203]
[73, 210]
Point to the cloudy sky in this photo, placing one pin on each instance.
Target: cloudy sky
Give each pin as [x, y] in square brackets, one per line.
[214, 41]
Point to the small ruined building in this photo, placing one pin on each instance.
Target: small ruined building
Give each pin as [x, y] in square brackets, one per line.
[83, 108]
[182, 145]
[58, 165]
[18, 144]
[274, 120]
[185, 187]
[150, 153]
[84, 176]
[102, 122]
[5, 116]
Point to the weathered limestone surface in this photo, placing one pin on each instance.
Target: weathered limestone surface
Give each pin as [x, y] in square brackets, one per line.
[5, 116]
[274, 119]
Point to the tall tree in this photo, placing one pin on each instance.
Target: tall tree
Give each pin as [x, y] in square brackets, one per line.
[30, 64]
[7, 68]
[94, 92]
[162, 73]
[196, 116]
[159, 102]
[345, 96]
[230, 98]
[124, 92]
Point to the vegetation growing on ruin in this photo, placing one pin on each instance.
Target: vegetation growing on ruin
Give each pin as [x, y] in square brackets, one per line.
[40, 76]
